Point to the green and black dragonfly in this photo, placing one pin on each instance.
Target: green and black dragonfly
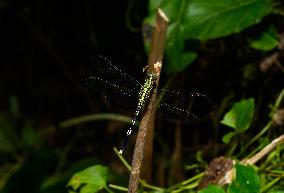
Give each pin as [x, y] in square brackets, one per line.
[112, 77]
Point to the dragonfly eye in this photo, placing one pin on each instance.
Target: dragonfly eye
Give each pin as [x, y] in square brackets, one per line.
[151, 75]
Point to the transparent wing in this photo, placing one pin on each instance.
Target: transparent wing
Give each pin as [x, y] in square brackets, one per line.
[178, 104]
[112, 81]
[103, 69]
[105, 85]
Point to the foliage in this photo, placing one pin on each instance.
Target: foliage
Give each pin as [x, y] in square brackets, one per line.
[267, 41]
[89, 180]
[226, 46]
[212, 188]
[246, 180]
[203, 19]
[239, 118]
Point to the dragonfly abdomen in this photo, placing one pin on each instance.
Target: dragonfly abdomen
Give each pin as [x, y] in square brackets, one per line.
[144, 95]
[129, 130]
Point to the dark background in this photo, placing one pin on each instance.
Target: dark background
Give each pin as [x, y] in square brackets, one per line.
[46, 49]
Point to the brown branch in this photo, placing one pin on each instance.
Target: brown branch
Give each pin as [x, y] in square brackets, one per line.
[145, 132]
[221, 170]
[267, 149]
[156, 54]
[228, 178]
[255, 158]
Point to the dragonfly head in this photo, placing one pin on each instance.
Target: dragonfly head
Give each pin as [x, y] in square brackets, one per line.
[151, 76]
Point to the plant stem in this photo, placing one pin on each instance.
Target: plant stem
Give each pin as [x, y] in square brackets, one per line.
[256, 137]
[187, 182]
[270, 184]
[264, 151]
[118, 187]
[268, 125]
[122, 159]
[147, 122]
[156, 54]
[84, 119]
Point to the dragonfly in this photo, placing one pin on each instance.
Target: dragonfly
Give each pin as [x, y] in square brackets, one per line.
[113, 77]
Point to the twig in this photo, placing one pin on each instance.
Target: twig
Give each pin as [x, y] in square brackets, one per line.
[156, 54]
[228, 177]
[118, 187]
[140, 145]
[145, 184]
[264, 151]
[221, 170]
[147, 122]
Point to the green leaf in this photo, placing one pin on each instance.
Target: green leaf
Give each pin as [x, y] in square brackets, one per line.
[212, 189]
[203, 19]
[89, 180]
[247, 180]
[206, 19]
[267, 41]
[240, 115]
[277, 191]
[178, 58]
[175, 54]
[227, 138]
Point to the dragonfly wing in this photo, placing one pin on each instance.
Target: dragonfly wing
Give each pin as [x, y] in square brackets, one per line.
[182, 113]
[105, 70]
[178, 103]
[177, 94]
[104, 85]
